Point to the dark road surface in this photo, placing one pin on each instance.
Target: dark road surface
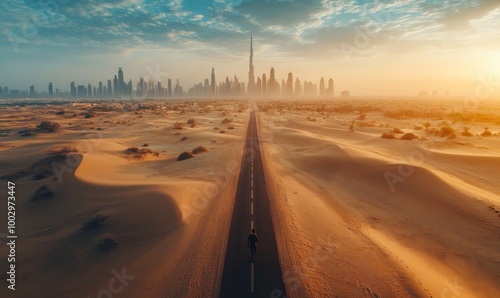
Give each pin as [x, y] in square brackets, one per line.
[243, 277]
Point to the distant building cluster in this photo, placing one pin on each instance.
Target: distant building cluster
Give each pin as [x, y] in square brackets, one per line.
[260, 86]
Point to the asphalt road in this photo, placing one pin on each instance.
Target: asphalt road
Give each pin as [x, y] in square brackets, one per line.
[243, 277]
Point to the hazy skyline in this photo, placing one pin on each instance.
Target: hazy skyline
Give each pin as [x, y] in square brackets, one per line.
[368, 47]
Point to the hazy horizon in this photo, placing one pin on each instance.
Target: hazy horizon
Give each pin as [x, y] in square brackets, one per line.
[381, 48]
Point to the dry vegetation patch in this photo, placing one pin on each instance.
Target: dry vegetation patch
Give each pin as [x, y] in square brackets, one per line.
[136, 153]
[185, 155]
[408, 137]
[200, 149]
[44, 192]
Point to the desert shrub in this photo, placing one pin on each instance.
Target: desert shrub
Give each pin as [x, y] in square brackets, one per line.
[42, 175]
[105, 245]
[185, 155]
[191, 121]
[397, 130]
[216, 128]
[388, 135]
[184, 138]
[447, 132]
[89, 115]
[94, 222]
[227, 120]
[466, 132]
[42, 193]
[231, 127]
[178, 125]
[137, 153]
[426, 125]
[486, 132]
[60, 113]
[352, 125]
[433, 131]
[27, 132]
[200, 149]
[145, 145]
[222, 131]
[48, 126]
[362, 116]
[408, 136]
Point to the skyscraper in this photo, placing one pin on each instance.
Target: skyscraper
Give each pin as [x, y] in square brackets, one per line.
[330, 87]
[159, 92]
[212, 83]
[51, 89]
[289, 84]
[322, 87]
[169, 88]
[251, 78]
[121, 82]
[116, 87]
[264, 84]
[110, 89]
[82, 91]
[178, 89]
[298, 88]
[32, 91]
[73, 88]
[89, 90]
[100, 89]
[272, 83]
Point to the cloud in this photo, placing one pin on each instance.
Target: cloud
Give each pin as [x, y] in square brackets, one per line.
[458, 13]
[219, 27]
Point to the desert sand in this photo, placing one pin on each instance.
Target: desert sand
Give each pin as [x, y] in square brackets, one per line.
[358, 215]
[355, 214]
[160, 221]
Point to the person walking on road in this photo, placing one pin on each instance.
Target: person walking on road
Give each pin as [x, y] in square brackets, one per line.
[253, 242]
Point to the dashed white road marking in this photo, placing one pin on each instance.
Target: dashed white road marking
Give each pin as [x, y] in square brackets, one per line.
[251, 224]
[251, 194]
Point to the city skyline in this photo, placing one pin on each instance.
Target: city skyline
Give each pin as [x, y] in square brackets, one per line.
[371, 48]
[156, 87]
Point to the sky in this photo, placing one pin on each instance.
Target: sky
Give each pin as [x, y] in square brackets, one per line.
[371, 48]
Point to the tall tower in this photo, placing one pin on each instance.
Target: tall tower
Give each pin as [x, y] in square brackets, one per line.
[322, 87]
[251, 77]
[121, 82]
[212, 83]
[272, 82]
[264, 84]
[289, 84]
[73, 88]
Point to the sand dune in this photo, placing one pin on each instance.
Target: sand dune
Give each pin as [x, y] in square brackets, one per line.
[370, 218]
[157, 220]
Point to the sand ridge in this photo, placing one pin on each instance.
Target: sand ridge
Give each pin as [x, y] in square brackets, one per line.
[157, 219]
[433, 233]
